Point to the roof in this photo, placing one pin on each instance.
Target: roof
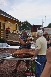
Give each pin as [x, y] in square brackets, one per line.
[37, 25]
[47, 30]
[7, 15]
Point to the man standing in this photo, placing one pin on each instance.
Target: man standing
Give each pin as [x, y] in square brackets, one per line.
[40, 52]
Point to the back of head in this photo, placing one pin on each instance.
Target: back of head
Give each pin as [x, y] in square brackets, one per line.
[40, 32]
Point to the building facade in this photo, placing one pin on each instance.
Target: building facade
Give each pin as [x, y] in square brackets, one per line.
[7, 24]
[34, 29]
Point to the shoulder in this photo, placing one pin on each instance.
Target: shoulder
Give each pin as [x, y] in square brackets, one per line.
[38, 39]
[21, 36]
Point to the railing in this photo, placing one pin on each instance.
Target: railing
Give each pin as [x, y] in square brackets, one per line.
[9, 36]
[2, 33]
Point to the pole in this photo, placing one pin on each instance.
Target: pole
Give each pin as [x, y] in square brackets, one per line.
[45, 21]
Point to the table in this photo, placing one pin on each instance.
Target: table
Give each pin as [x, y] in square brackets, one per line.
[13, 58]
[8, 56]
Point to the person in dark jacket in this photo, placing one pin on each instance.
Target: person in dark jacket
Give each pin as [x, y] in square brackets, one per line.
[23, 44]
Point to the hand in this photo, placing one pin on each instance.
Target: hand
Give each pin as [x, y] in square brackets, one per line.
[32, 58]
[27, 43]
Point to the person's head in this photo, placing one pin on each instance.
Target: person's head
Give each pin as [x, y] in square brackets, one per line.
[24, 33]
[46, 35]
[39, 33]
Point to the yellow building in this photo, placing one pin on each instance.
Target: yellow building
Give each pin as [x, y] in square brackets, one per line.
[7, 22]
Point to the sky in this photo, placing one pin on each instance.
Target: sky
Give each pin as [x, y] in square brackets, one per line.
[34, 11]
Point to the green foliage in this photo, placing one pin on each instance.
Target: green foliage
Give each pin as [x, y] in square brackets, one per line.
[25, 26]
[33, 67]
[49, 26]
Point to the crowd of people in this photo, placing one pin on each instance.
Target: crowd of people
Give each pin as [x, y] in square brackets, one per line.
[42, 51]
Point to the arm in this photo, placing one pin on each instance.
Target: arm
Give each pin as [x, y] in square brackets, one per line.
[36, 52]
[37, 49]
[22, 42]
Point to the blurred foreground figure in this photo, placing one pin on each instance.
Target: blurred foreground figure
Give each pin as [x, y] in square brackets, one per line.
[47, 69]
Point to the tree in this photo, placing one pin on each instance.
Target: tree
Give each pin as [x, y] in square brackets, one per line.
[49, 26]
[25, 26]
